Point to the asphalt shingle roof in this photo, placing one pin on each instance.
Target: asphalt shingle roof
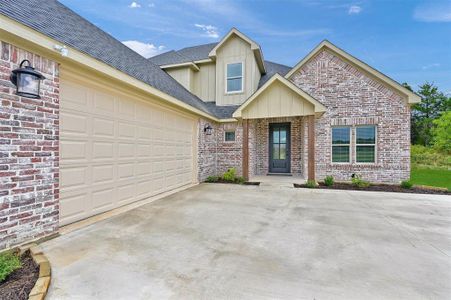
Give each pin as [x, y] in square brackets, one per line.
[55, 20]
[187, 54]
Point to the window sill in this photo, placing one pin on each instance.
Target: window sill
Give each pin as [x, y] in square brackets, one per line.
[233, 93]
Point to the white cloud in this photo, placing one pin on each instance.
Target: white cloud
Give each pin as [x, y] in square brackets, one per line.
[134, 5]
[430, 66]
[434, 13]
[145, 49]
[209, 30]
[354, 10]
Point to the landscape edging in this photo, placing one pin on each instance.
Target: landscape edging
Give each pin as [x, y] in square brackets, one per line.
[39, 291]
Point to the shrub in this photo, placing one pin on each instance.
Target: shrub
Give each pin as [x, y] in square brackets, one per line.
[229, 175]
[442, 132]
[406, 184]
[311, 184]
[9, 262]
[359, 182]
[212, 179]
[329, 180]
[430, 157]
[240, 180]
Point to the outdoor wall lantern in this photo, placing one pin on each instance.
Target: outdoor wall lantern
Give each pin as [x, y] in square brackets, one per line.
[208, 129]
[27, 80]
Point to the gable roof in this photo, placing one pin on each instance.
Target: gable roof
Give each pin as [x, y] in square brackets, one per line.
[55, 20]
[254, 47]
[318, 106]
[411, 96]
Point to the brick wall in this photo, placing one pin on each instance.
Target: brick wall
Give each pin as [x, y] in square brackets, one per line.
[29, 156]
[216, 155]
[353, 98]
[206, 151]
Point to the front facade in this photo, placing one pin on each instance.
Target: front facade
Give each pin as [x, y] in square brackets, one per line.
[359, 118]
[111, 129]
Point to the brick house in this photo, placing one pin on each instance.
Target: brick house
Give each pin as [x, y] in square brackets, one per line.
[112, 128]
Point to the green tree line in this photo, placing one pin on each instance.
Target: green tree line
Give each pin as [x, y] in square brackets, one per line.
[431, 118]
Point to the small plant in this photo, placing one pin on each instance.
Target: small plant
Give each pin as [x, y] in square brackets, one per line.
[240, 180]
[9, 262]
[359, 182]
[329, 180]
[212, 179]
[311, 184]
[229, 175]
[406, 184]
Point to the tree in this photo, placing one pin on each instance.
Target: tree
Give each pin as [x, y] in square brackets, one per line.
[433, 104]
[442, 132]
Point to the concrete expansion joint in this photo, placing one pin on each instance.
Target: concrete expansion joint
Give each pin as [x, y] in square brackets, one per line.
[39, 291]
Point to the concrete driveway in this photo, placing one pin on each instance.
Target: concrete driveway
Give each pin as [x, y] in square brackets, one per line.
[217, 241]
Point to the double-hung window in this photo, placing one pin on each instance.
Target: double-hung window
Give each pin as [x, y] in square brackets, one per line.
[365, 144]
[341, 144]
[234, 74]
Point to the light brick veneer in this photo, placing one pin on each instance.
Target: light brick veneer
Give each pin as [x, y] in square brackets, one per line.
[29, 152]
[353, 98]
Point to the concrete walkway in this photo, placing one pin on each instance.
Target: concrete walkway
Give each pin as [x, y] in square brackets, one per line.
[217, 241]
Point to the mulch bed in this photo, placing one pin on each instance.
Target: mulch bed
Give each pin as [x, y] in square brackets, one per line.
[379, 188]
[230, 182]
[18, 284]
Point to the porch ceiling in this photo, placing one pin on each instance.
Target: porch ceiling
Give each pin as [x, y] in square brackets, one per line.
[279, 98]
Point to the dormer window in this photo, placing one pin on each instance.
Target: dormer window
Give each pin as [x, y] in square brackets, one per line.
[234, 78]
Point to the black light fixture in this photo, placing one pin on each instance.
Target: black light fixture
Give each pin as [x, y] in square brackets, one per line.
[27, 80]
[208, 129]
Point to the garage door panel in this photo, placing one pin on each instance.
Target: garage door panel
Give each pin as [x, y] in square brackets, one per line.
[103, 199]
[116, 150]
[74, 177]
[103, 127]
[103, 103]
[73, 150]
[102, 150]
[103, 173]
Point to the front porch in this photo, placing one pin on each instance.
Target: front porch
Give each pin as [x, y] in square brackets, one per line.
[279, 131]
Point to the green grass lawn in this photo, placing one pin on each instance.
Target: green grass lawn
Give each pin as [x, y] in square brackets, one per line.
[431, 177]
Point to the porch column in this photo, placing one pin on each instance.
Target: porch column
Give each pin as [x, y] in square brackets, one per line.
[311, 147]
[246, 149]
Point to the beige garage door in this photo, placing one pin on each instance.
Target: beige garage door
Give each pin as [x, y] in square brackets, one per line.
[117, 149]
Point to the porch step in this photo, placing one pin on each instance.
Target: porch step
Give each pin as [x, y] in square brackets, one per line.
[279, 174]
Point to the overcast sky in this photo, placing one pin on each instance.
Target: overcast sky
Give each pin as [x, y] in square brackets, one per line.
[408, 40]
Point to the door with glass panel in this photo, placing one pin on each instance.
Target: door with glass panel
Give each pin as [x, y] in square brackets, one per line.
[279, 148]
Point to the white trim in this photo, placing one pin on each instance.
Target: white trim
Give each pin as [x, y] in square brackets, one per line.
[235, 77]
[349, 145]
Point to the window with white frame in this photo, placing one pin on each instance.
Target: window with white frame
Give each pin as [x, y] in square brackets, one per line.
[365, 144]
[341, 144]
[234, 78]
[229, 136]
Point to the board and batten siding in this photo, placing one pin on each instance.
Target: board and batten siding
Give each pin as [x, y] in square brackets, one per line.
[204, 82]
[277, 101]
[236, 50]
[184, 76]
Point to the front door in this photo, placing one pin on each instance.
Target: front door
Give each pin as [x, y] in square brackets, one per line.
[279, 148]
